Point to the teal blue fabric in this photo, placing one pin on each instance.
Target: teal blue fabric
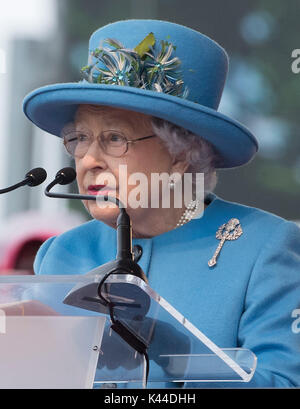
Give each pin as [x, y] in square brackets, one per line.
[204, 67]
[246, 300]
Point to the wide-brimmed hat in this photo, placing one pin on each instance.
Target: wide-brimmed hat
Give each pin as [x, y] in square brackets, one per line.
[157, 68]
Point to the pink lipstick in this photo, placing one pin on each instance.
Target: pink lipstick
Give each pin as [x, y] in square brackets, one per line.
[98, 190]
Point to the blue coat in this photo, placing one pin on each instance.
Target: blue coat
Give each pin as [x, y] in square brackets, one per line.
[249, 299]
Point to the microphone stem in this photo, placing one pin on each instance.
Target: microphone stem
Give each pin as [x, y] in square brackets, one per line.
[124, 229]
[16, 186]
[124, 236]
[80, 197]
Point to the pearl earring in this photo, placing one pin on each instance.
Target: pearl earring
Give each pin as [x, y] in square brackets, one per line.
[172, 184]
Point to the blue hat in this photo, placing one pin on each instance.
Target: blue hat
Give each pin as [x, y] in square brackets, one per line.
[157, 68]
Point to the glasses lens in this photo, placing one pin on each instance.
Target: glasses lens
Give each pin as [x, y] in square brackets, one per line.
[114, 143]
[77, 143]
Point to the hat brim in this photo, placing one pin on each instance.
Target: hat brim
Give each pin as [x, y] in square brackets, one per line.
[51, 107]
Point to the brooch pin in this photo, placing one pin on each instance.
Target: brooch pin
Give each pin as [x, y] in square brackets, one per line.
[231, 230]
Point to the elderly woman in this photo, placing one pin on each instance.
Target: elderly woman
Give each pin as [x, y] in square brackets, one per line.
[148, 104]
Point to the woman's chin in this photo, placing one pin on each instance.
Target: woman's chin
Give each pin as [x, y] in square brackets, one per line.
[105, 212]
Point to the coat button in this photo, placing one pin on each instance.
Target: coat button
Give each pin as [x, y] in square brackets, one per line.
[137, 252]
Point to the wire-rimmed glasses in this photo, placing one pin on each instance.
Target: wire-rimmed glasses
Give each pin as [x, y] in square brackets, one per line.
[113, 143]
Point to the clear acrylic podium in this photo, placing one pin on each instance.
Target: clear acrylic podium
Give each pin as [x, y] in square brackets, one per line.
[47, 342]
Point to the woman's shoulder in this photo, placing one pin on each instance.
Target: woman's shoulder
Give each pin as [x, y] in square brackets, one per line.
[86, 235]
[260, 227]
[67, 251]
[85, 230]
[251, 215]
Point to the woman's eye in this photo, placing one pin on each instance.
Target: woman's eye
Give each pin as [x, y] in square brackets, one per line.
[113, 137]
[82, 137]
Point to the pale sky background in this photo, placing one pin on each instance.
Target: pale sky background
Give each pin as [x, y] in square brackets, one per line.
[26, 19]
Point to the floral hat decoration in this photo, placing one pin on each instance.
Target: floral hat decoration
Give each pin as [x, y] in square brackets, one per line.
[157, 68]
[144, 67]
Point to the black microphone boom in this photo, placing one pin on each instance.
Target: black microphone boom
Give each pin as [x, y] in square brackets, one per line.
[100, 295]
[124, 229]
[33, 178]
[68, 175]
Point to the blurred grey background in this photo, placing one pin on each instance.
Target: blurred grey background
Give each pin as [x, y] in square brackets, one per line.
[46, 41]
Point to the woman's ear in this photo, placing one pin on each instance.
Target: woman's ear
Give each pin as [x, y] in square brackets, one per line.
[179, 165]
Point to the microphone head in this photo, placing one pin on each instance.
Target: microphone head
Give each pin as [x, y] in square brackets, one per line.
[36, 176]
[65, 176]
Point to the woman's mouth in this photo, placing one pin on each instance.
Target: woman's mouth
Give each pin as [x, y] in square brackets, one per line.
[98, 190]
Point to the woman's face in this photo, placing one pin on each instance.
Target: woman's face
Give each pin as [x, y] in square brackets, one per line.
[96, 168]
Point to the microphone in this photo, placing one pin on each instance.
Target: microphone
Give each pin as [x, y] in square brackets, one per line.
[65, 176]
[34, 177]
[126, 302]
[62, 177]
[124, 227]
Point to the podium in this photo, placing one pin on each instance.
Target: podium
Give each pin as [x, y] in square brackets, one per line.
[55, 332]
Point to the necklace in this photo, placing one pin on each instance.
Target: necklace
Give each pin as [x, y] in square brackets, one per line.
[189, 213]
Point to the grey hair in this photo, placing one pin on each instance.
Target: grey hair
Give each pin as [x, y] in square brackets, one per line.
[196, 151]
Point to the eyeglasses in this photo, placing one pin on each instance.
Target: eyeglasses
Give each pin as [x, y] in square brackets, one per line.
[113, 143]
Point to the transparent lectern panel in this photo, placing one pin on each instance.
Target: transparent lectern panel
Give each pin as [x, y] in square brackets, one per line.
[43, 342]
[177, 351]
[49, 352]
[32, 309]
